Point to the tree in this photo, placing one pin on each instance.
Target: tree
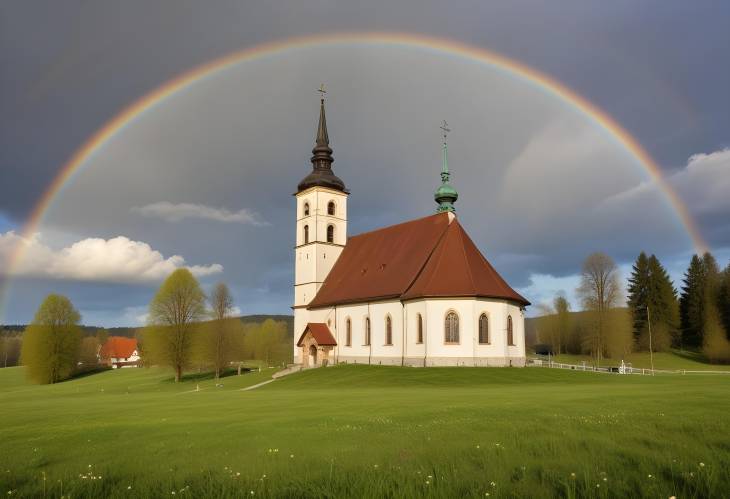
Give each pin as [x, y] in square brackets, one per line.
[599, 291]
[638, 288]
[650, 287]
[89, 352]
[691, 303]
[620, 338]
[219, 339]
[51, 342]
[715, 344]
[562, 321]
[723, 299]
[174, 311]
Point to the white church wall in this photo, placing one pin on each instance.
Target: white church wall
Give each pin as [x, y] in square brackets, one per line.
[383, 352]
[357, 351]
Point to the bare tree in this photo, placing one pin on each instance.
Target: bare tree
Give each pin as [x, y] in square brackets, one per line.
[599, 290]
[221, 303]
[562, 320]
[174, 311]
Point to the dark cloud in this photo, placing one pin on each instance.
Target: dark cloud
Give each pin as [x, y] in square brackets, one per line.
[531, 174]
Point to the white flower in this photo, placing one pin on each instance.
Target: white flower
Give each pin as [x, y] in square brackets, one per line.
[129, 487]
[702, 465]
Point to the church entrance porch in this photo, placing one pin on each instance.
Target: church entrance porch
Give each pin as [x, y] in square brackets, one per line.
[316, 343]
[312, 355]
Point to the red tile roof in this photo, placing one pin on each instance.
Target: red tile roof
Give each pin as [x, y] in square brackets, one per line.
[118, 347]
[320, 332]
[427, 257]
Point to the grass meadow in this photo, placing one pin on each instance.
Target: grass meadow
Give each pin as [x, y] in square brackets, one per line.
[360, 431]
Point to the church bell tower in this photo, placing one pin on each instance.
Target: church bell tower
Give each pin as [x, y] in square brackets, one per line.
[321, 216]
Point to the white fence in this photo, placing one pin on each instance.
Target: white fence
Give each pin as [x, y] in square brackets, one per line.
[622, 369]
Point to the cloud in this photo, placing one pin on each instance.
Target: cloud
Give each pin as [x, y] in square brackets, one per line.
[703, 184]
[118, 259]
[176, 212]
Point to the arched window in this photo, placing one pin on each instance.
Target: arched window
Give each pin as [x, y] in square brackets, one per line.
[330, 233]
[306, 234]
[388, 330]
[367, 330]
[348, 334]
[419, 328]
[331, 208]
[306, 209]
[451, 328]
[483, 329]
[510, 335]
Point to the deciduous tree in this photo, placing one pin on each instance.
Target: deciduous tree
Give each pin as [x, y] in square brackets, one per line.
[51, 342]
[174, 314]
[219, 342]
[599, 291]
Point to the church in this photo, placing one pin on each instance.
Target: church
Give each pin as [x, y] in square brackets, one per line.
[418, 293]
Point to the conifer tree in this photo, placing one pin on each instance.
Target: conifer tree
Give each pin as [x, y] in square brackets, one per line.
[650, 286]
[663, 303]
[638, 289]
[724, 299]
[692, 303]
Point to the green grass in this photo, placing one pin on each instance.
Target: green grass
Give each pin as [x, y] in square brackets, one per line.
[359, 431]
[673, 360]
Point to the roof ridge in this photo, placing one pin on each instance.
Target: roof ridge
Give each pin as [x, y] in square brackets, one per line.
[395, 225]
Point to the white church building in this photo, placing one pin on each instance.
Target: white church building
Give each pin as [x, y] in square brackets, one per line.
[419, 293]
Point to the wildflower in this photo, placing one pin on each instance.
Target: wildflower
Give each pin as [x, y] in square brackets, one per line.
[492, 484]
[572, 475]
[173, 492]
[238, 473]
[598, 485]
[375, 466]
[605, 479]
[477, 446]
[702, 465]
[129, 487]
[486, 494]
[291, 456]
[672, 497]
[429, 476]
[252, 492]
[649, 476]
[427, 482]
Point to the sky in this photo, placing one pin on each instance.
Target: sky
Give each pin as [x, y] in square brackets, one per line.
[204, 179]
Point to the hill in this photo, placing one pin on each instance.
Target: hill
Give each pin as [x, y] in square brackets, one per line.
[354, 431]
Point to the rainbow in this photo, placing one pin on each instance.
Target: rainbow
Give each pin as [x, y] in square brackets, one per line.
[438, 45]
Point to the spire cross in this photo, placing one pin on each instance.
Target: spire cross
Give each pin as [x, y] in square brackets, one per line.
[445, 127]
[321, 91]
[445, 167]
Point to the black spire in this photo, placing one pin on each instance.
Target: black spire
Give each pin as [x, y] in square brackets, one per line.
[322, 159]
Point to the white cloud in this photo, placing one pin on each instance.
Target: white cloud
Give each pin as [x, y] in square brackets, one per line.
[118, 259]
[704, 184]
[176, 212]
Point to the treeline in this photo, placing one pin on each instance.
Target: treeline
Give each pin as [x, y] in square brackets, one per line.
[10, 344]
[658, 317]
[187, 330]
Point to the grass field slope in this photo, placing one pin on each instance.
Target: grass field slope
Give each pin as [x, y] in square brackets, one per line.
[360, 431]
